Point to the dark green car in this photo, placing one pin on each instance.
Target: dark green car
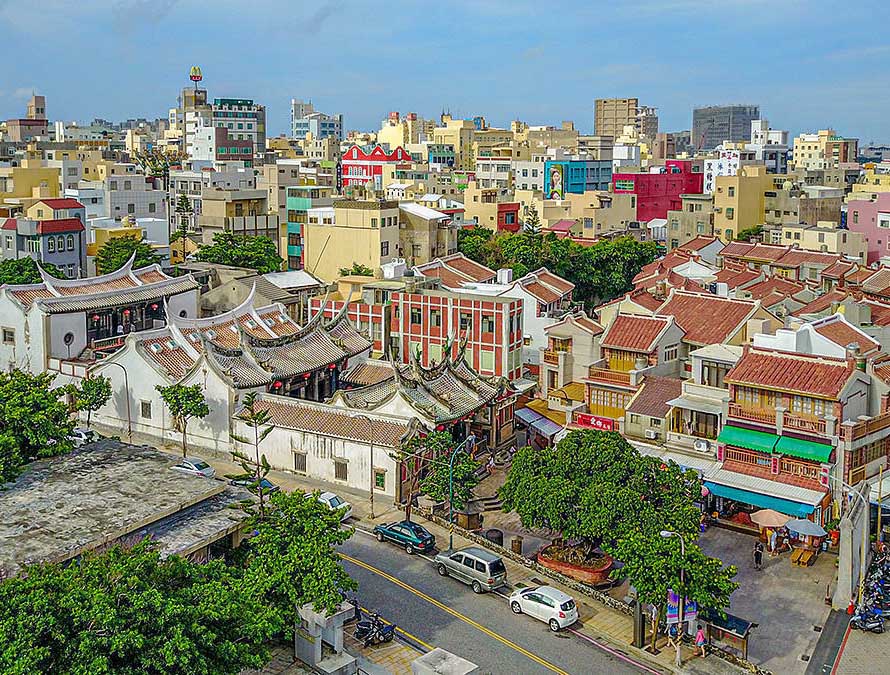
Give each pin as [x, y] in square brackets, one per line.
[410, 535]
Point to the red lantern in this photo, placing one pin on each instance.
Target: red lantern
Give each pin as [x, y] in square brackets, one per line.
[440, 427]
[276, 385]
[154, 306]
[95, 317]
[306, 376]
[332, 366]
[126, 312]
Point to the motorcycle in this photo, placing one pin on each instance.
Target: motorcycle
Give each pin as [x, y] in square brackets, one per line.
[365, 627]
[868, 622]
[382, 632]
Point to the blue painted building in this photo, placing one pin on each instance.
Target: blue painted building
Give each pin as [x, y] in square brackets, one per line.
[301, 198]
[576, 176]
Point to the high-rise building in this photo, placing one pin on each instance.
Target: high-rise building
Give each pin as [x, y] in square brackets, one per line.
[305, 119]
[37, 108]
[611, 115]
[717, 123]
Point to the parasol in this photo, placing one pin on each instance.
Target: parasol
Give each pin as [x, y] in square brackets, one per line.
[770, 518]
[805, 527]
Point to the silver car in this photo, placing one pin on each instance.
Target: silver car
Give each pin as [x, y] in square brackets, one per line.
[473, 565]
[195, 466]
[546, 604]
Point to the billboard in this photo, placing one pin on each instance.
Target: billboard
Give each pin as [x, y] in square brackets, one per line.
[726, 165]
[555, 179]
[595, 422]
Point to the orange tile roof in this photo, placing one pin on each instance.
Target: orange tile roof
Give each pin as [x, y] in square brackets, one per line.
[858, 276]
[448, 277]
[28, 296]
[797, 257]
[838, 269]
[634, 333]
[476, 271]
[652, 398]
[551, 279]
[707, 319]
[170, 356]
[824, 302]
[698, 243]
[765, 252]
[841, 333]
[796, 373]
[880, 313]
[878, 283]
[543, 293]
[735, 278]
[773, 285]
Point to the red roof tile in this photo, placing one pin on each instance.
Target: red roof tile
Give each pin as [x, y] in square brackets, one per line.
[698, 243]
[841, 333]
[474, 270]
[878, 283]
[707, 319]
[10, 224]
[735, 278]
[837, 270]
[764, 252]
[634, 333]
[543, 293]
[797, 373]
[562, 226]
[824, 302]
[773, 285]
[61, 203]
[59, 225]
[652, 399]
[797, 257]
[562, 285]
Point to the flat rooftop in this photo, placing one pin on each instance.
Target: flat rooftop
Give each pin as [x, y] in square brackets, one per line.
[61, 507]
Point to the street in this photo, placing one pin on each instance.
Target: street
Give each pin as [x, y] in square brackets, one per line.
[445, 613]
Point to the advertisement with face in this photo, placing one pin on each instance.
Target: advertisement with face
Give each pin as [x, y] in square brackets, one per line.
[556, 176]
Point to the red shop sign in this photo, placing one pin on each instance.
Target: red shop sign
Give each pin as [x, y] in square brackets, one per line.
[595, 422]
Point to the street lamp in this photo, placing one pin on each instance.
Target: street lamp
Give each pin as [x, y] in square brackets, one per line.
[865, 531]
[127, 387]
[667, 534]
[371, 441]
[471, 441]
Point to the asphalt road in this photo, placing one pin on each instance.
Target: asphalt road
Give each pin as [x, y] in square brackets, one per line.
[481, 628]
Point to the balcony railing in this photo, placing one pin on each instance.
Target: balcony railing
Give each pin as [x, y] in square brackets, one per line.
[104, 344]
[811, 425]
[551, 357]
[864, 428]
[610, 376]
[752, 414]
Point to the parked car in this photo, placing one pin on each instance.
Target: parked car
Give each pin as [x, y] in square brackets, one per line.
[195, 467]
[473, 565]
[546, 604]
[334, 503]
[410, 535]
[247, 481]
[81, 437]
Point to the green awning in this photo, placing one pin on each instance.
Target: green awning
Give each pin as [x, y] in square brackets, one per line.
[748, 439]
[795, 447]
[786, 506]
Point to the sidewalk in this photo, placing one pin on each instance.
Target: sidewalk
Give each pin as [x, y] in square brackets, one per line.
[607, 628]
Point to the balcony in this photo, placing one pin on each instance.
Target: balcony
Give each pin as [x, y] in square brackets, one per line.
[810, 425]
[551, 357]
[759, 415]
[609, 376]
[851, 432]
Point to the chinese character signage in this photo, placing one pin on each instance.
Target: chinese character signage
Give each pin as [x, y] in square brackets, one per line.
[726, 165]
[595, 422]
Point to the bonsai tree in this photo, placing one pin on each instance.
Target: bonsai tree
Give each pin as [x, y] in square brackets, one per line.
[259, 421]
[184, 403]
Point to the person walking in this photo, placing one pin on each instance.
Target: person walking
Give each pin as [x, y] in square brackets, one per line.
[758, 556]
[773, 544]
[700, 640]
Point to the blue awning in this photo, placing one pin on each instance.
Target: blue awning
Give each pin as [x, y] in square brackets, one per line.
[538, 422]
[786, 506]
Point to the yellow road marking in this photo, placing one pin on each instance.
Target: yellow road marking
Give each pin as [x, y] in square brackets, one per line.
[416, 639]
[455, 614]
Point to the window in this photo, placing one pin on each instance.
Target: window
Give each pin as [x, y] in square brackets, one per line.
[340, 470]
[466, 320]
[855, 217]
[152, 208]
[50, 245]
[487, 324]
[131, 208]
[415, 316]
[379, 479]
[300, 462]
[8, 336]
[9, 241]
[34, 246]
[670, 352]
[128, 185]
[655, 422]
[145, 410]
[384, 248]
[634, 419]
[70, 242]
[114, 185]
[436, 317]
[731, 192]
[730, 213]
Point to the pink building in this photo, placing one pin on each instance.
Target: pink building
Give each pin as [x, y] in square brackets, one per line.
[871, 217]
[658, 193]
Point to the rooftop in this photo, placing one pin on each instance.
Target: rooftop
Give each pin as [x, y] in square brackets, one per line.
[798, 373]
[635, 333]
[653, 397]
[707, 319]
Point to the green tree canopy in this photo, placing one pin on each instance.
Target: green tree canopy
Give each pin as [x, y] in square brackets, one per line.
[357, 270]
[292, 560]
[748, 232]
[34, 421]
[463, 479]
[92, 394]
[417, 456]
[128, 611]
[115, 252]
[596, 489]
[25, 271]
[256, 253]
[184, 403]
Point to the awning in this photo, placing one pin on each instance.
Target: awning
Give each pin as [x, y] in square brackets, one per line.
[697, 404]
[785, 506]
[538, 422]
[796, 447]
[747, 438]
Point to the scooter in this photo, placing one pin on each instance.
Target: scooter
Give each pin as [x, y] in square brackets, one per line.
[382, 632]
[868, 622]
[364, 628]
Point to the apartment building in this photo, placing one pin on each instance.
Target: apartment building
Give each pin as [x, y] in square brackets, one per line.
[306, 120]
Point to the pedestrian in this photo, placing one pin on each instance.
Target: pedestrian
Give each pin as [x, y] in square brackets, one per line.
[758, 556]
[773, 541]
[700, 640]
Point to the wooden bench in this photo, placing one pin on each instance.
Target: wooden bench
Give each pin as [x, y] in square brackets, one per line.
[795, 557]
[803, 557]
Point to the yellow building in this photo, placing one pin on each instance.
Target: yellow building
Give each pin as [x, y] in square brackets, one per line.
[459, 134]
[102, 235]
[739, 200]
[21, 186]
[826, 237]
[871, 182]
[823, 150]
[362, 232]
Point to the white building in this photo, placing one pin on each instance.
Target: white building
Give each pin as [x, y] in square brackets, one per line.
[770, 146]
[305, 119]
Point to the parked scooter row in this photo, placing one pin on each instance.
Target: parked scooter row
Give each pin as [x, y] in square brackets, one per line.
[875, 603]
[374, 631]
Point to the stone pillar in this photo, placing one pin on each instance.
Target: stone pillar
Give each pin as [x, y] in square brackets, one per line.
[780, 418]
[830, 424]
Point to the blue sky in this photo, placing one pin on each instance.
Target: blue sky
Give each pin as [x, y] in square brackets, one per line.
[809, 64]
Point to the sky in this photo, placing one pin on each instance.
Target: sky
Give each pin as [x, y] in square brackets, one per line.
[809, 64]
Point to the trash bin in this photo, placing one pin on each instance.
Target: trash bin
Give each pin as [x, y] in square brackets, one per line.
[516, 545]
[495, 536]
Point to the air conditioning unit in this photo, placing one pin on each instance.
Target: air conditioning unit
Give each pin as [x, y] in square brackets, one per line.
[701, 445]
[651, 434]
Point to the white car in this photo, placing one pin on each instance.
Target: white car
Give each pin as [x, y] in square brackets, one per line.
[195, 466]
[546, 604]
[333, 502]
[81, 437]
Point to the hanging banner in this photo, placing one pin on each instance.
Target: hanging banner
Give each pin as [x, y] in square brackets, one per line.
[690, 609]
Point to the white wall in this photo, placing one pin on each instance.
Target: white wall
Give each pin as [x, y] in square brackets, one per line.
[187, 301]
[61, 324]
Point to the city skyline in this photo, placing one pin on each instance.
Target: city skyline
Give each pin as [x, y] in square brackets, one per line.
[469, 58]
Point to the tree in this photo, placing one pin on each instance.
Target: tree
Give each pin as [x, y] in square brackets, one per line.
[357, 270]
[25, 271]
[256, 253]
[115, 252]
[157, 161]
[463, 479]
[471, 242]
[416, 455]
[748, 232]
[184, 403]
[92, 394]
[260, 421]
[34, 420]
[532, 224]
[184, 209]
[595, 489]
[129, 611]
[292, 560]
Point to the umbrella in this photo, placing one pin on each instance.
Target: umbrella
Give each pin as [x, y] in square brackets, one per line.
[770, 518]
[806, 527]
